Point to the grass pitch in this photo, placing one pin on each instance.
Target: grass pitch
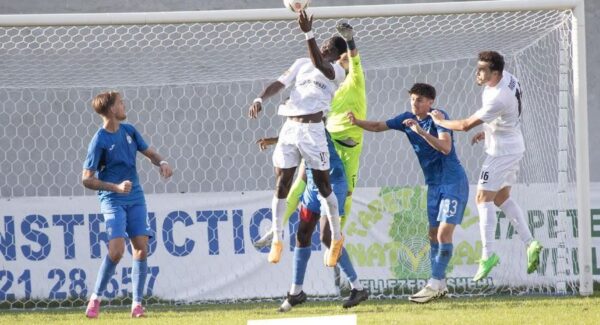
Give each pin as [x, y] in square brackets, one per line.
[487, 310]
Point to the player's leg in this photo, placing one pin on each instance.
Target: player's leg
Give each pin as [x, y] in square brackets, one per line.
[487, 223]
[115, 222]
[138, 229]
[139, 272]
[358, 293]
[514, 213]
[293, 198]
[428, 292]
[454, 198]
[433, 208]
[283, 183]
[315, 152]
[329, 203]
[286, 157]
[442, 259]
[292, 201]
[350, 157]
[493, 175]
[302, 252]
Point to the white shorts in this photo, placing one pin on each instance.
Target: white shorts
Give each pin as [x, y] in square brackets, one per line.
[499, 172]
[302, 140]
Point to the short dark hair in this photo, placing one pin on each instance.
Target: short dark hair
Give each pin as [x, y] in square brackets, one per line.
[340, 44]
[495, 59]
[423, 89]
[103, 101]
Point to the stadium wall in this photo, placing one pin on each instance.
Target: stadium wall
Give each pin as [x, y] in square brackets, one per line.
[50, 247]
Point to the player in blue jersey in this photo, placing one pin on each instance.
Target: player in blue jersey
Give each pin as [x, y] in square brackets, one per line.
[309, 215]
[110, 168]
[447, 184]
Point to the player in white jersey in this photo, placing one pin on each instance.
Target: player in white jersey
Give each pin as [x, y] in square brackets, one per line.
[314, 81]
[500, 115]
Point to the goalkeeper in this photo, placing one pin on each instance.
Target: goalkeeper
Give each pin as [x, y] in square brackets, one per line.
[347, 138]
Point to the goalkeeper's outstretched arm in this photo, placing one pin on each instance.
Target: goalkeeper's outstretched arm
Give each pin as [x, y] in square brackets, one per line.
[347, 33]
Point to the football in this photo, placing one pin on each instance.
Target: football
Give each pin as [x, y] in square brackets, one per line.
[296, 5]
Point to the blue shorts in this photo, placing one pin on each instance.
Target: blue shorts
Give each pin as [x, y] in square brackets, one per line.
[447, 203]
[337, 178]
[124, 221]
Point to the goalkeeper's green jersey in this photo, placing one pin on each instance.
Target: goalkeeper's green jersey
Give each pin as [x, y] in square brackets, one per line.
[351, 96]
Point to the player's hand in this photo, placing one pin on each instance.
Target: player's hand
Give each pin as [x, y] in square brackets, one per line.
[165, 170]
[254, 109]
[345, 30]
[304, 21]
[413, 125]
[124, 187]
[351, 118]
[264, 143]
[477, 137]
[436, 115]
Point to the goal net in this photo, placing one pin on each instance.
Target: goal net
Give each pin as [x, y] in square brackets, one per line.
[187, 88]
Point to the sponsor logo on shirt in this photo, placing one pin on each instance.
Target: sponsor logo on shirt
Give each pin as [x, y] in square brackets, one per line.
[129, 139]
[314, 83]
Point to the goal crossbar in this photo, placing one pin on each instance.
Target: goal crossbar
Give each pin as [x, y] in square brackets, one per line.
[179, 17]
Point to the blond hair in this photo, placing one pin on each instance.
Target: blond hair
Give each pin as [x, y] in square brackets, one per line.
[103, 101]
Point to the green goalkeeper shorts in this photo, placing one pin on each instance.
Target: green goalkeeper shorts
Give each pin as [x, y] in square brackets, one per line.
[351, 160]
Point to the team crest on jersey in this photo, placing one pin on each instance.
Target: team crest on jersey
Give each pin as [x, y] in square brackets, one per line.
[129, 139]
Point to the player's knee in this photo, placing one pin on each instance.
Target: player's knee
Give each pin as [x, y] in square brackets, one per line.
[483, 197]
[282, 190]
[115, 255]
[433, 234]
[303, 239]
[498, 201]
[140, 254]
[324, 190]
[444, 237]
[325, 239]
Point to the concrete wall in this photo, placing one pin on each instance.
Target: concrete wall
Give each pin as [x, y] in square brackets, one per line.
[77, 6]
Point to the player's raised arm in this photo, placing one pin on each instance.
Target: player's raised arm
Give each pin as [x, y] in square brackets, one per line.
[353, 63]
[347, 33]
[373, 126]
[313, 49]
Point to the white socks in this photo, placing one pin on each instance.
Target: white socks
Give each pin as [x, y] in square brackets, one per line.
[356, 285]
[95, 297]
[514, 213]
[330, 205]
[278, 210]
[296, 289]
[487, 225]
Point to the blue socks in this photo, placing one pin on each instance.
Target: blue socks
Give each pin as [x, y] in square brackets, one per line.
[107, 269]
[433, 252]
[138, 274]
[346, 266]
[438, 268]
[301, 256]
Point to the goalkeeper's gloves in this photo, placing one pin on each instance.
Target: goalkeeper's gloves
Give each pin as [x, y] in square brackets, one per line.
[347, 33]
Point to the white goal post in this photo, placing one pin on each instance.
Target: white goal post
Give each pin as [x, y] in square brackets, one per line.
[45, 61]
